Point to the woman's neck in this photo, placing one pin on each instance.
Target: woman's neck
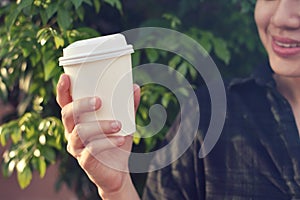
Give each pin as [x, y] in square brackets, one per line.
[289, 87]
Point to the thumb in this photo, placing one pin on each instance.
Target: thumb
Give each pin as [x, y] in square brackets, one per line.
[63, 91]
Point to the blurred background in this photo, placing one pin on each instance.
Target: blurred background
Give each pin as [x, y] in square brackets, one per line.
[34, 162]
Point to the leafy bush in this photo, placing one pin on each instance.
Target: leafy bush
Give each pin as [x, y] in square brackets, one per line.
[32, 37]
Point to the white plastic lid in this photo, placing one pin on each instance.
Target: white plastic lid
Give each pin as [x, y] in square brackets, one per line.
[93, 49]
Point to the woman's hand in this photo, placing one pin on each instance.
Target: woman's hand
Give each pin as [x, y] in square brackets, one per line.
[103, 157]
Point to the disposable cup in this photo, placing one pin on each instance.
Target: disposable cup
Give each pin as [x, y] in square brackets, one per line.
[102, 67]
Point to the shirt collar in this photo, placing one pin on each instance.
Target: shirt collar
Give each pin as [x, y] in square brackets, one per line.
[262, 75]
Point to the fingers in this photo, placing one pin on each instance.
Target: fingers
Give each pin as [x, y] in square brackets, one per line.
[86, 135]
[92, 136]
[92, 152]
[71, 112]
[97, 130]
[97, 146]
[63, 91]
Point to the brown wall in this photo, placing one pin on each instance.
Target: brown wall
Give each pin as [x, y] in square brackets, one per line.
[39, 189]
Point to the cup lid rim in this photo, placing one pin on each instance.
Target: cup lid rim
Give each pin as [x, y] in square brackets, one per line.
[99, 55]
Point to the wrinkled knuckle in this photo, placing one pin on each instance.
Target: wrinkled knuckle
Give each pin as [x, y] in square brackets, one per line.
[67, 135]
[76, 130]
[83, 163]
[69, 149]
[63, 113]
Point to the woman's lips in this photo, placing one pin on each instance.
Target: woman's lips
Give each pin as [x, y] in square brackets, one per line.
[285, 47]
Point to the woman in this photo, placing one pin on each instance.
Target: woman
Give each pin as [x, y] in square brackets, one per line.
[256, 156]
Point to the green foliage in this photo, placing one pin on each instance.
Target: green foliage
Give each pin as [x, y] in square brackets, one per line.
[34, 144]
[34, 32]
[32, 36]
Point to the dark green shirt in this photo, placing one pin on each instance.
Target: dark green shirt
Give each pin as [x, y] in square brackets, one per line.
[256, 157]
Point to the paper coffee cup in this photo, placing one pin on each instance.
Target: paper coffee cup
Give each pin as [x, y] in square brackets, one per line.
[102, 67]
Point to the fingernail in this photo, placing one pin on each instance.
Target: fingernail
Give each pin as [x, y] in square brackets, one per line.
[93, 102]
[135, 87]
[115, 125]
[61, 81]
[120, 141]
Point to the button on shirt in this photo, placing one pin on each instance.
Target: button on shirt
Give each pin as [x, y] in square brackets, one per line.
[256, 157]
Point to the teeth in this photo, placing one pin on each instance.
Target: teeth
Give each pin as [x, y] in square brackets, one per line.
[288, 45]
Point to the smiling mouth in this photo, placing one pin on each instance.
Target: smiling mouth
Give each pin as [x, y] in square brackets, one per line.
[287, 45]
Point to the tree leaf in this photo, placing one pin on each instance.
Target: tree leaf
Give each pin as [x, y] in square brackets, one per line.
[97, 5]
[49, 69]
[11, 18]
[80, 13]
[24, 177]
[152, 55]
[44, 17]
[35, 57]
[24, 3]
[3, 90]
[59, 41]
[51, 9]
[174, 61]
[182, 69]
[77, 3]
[2, 137]
[136, 58]
[64, 19]
[136, 138]
[220, 49]
[48, 153]
[42, 166]
[166, 100]
[16, 135]
[193, 72]
[174, 20]
[5, 169]
[183, 91]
